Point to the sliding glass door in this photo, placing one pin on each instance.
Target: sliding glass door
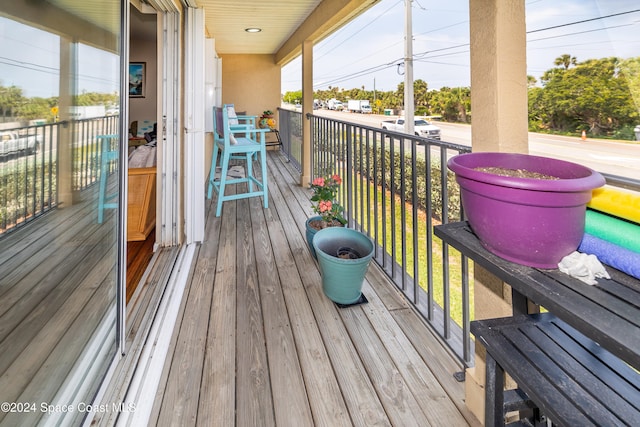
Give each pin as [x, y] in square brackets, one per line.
[60, 206]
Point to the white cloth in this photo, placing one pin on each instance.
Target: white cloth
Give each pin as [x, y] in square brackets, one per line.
[584, 267]
[143, 157]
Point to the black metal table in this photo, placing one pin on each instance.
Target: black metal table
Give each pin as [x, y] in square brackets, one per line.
[277, 142]
[608, 313]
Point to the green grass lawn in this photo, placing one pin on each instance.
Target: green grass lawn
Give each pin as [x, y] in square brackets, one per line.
[384, 223]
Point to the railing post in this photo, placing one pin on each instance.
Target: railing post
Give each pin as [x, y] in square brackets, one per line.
[349, 169]
[445, 248]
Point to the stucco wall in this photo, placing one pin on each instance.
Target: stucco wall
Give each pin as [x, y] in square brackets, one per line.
[251, 83]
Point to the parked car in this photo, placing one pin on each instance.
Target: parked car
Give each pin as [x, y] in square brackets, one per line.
[335, 104]
[113, 111]
[12, 143]
[421, 127]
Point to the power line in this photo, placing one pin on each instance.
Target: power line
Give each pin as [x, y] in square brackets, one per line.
[551, 28]
[529, 41]
[580, 32]
[28, 65]
[358, 74]
[583, 21]
[421, 56]
[441, 28]
[362, 29]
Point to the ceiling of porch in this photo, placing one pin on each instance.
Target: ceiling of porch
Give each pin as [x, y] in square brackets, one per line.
[284, 24]
[226, 21]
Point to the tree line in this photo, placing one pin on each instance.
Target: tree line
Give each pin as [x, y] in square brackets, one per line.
[15, 106]
[599, 96]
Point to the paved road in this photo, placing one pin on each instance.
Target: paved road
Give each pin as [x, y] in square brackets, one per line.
[607, 156]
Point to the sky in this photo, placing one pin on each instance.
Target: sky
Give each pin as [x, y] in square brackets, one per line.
[366, 52]
[30, 59]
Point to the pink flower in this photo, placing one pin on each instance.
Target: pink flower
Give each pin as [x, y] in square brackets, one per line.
[325, 205]
[324, 199]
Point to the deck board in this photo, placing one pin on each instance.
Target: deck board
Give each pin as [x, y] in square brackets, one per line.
[218, 390]
[324, 396]
[258, 343]
[286, 377]
[252, 368]
[362, 404]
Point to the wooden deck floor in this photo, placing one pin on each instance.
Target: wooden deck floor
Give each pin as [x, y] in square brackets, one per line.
[257, 342]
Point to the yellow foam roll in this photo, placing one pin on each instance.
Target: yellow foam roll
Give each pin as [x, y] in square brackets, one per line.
[620, 203]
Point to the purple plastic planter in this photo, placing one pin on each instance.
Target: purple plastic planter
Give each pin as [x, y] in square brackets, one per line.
[535, 222]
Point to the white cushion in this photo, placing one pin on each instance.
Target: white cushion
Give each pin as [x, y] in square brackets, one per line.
[231, 114]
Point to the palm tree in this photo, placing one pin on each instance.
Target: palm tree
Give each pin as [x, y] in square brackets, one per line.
[565, 60]
[421, 95]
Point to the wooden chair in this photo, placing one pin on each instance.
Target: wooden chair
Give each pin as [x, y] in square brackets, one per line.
[239, 148]
[109, 152]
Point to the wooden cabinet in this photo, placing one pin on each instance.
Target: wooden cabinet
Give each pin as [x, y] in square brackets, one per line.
[141, 205]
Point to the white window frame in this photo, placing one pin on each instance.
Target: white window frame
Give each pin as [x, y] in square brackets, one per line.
[195, 125]
[169, 155]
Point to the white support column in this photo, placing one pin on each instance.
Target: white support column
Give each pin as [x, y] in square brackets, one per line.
[307, 107]
[68, 77]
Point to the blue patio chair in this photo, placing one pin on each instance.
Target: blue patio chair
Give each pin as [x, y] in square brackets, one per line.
[239, 148]
[248, 123]
[239, 122]
[109, 152]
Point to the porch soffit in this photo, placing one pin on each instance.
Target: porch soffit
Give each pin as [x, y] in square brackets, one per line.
[285, 24]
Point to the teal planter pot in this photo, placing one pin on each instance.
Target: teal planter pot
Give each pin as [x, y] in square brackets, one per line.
[342, 278]
[310, 232]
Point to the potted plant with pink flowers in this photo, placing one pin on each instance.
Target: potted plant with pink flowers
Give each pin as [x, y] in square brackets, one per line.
[343, 254]
[324, 202]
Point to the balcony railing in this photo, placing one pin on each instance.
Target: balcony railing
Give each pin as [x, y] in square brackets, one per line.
[29, 177]
[396, 187]
[290, 127]
[28, 170]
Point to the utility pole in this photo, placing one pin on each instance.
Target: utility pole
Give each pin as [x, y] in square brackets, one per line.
[374, 95]
[408, 70]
